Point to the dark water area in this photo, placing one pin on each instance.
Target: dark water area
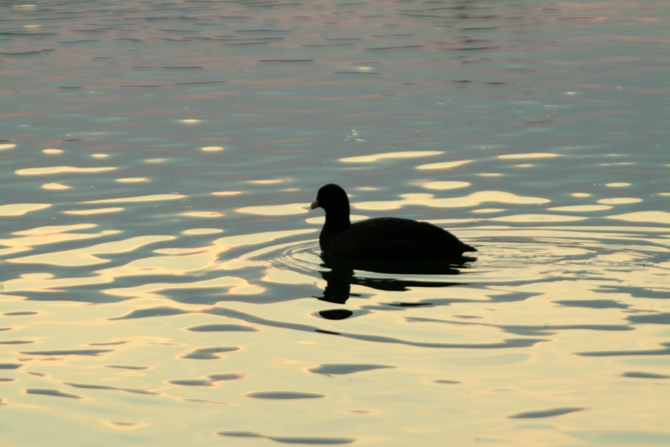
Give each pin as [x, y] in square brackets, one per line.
[161, 280]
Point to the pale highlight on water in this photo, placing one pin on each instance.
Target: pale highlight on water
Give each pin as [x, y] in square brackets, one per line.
[160, 275]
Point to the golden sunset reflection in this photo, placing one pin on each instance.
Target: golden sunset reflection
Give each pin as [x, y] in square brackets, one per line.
[620, 201]
[162, 280]
[489, 210]
[226, 193]
[537, 218]
[228, 242]
[200, 231]
[443, 185]
[45, 282]
[275, 210]
[165, 265]
[179, 251]
[580, 208]
[225, 284]
[132, 180]
[531, 155]
[179, 261]
[19, 209]
[55, 186]
[430, 200]
[11, 251]
[660, 217]
[62, 170]
[87, 256]
[136, 199]
[444, 165]
[93, 211]
[55, 229]
[266, 182]
[389, 156]
[203, 214]
[287, 277]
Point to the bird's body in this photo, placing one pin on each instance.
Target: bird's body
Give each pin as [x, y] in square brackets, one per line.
[382, 239]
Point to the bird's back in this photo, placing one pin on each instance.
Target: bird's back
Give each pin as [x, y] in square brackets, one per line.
[389, 238]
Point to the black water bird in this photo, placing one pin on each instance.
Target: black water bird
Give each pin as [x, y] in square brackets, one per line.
[382, 239]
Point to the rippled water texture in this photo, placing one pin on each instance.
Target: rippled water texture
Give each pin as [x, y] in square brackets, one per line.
[160, 277]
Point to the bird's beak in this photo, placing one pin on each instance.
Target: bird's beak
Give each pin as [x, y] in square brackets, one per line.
[314, 205]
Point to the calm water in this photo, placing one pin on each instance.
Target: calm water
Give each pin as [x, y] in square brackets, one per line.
[160, 278]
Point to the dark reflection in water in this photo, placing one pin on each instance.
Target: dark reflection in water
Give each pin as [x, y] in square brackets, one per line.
[430, 267]
[342, 276]
[336, 314]
[644, 375]
[545, 413]
[502, 344]
[530, 330]
[288, 439]
[340, 369]
[111, 388]
[662, 351]
[53, 393]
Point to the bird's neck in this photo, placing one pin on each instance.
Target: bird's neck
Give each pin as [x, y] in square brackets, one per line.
[337, 221]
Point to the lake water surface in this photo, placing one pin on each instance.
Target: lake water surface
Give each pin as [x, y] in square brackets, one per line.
[160, 277]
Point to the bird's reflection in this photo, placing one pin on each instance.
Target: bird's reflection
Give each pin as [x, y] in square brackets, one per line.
[341, 276]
